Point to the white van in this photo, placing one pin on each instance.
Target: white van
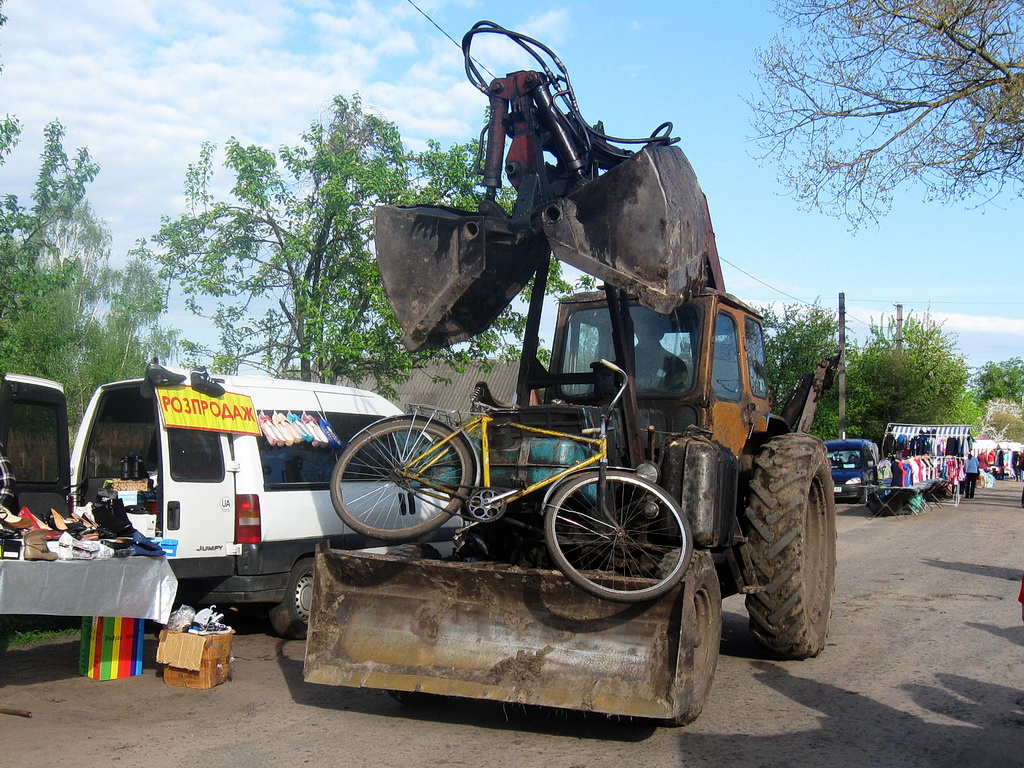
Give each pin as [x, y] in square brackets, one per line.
[239, 517]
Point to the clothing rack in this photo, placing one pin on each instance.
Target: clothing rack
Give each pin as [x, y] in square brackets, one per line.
[927, 452]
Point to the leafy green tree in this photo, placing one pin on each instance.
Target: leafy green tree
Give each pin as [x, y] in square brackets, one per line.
[66, 314]
[92, 323]
[923, 382]
[29, 256]
[1003, 380]
[797, 337]
[9, 128]
[862, 96]
[288, 261]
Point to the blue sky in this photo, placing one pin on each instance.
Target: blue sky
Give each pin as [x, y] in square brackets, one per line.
[142, 84]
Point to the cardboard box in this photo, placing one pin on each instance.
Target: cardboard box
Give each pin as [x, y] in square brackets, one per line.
[169, 546]
[132, 485]
[144, 524]
[111, 647]
[194, 661]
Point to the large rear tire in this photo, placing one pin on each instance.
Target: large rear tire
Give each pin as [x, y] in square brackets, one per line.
[400, 478]
[790, 524]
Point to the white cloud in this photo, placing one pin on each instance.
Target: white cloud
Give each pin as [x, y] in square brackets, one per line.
[979, 324]
[142, 84]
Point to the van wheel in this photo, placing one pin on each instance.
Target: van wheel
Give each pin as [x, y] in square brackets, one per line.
[290, 617]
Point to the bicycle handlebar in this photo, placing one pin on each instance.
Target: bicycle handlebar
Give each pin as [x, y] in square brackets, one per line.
[625, 380]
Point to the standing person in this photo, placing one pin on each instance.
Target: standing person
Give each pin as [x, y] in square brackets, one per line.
[972, 471]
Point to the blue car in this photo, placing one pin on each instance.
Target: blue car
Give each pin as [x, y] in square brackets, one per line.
[854, 468]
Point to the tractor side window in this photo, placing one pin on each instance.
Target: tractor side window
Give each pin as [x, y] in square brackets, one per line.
[588, 339]
[726, 370]
[756, 358]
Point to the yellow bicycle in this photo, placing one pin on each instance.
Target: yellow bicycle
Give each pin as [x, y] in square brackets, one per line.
[611, 532]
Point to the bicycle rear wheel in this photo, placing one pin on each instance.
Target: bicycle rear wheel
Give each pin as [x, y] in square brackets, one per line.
[398, 479]
[636, 550]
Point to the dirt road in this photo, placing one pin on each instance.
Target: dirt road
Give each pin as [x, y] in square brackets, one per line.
[925, 667]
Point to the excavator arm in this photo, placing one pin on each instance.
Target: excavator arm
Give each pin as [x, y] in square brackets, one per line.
[637, 220]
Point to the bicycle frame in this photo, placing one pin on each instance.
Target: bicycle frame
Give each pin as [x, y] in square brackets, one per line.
[479, 427]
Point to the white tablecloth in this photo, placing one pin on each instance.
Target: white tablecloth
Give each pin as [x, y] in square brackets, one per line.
[131, 587]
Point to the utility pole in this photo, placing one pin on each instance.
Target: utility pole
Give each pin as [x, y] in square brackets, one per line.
[842, 366]
[899, 327]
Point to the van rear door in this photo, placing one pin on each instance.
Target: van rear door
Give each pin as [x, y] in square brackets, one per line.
[34, 433]
[198, 485]
[198, 474]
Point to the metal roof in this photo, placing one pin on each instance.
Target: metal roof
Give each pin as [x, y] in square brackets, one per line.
[441, 386]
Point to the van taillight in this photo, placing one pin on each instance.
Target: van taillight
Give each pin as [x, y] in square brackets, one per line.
[247, 519]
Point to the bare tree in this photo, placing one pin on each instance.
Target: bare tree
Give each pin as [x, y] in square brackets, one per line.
[861, 96]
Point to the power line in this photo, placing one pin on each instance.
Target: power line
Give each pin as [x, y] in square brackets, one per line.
[425, 16]
[439, 29]
[929, 301]
[766, 285]
[783, 293]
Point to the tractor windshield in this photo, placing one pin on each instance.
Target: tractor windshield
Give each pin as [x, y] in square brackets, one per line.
[665, 348]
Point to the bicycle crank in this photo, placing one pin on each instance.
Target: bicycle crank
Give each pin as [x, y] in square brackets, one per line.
[486, 505]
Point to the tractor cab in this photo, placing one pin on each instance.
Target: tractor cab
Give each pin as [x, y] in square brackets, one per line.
[701, 366]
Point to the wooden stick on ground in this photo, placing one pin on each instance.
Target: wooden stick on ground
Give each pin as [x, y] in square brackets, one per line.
[17, 712]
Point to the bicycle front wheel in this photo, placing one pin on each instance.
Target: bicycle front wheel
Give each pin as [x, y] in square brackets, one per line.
[634, 546]
[400, 478]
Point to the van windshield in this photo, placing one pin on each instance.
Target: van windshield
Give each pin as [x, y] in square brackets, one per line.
[845, 459]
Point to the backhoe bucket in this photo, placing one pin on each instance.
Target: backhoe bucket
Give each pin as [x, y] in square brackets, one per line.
[447, 273]
[642, 227]
[493, 631]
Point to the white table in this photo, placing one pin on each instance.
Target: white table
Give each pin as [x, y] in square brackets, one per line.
[133, 587]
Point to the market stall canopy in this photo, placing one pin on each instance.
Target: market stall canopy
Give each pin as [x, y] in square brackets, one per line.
[936, 430]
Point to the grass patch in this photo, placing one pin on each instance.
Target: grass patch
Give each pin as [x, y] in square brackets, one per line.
[21, 630]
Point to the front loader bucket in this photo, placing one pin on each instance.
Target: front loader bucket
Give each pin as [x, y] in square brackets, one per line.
[642, 227]
[493, 631]
[448, 273]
